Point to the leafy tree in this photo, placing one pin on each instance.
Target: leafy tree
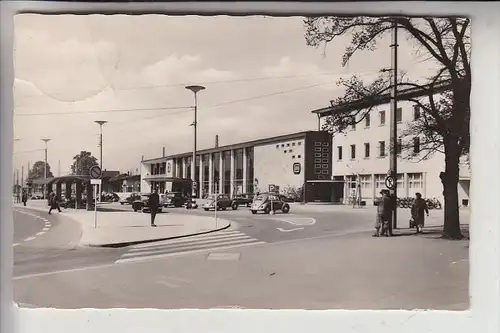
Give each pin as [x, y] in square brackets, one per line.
[444, 122]
[82, 163]
[38, 171]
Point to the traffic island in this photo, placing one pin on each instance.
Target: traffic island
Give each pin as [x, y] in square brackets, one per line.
[122, 228]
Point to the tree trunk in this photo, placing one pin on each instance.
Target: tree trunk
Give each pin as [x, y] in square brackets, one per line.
[451, 229]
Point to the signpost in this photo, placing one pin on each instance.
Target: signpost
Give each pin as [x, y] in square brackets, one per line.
[95, 179]
[390, 183]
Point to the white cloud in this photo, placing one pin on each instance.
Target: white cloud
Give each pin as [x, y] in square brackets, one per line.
[286, 66]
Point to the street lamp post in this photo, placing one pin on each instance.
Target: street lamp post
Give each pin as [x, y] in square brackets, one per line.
[195, 89]
[100, 123]
[393, 164]
[45, 169]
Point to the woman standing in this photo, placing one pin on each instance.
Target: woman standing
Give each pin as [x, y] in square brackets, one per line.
[418, 209]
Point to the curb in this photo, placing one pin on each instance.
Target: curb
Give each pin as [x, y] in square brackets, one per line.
[125, 244]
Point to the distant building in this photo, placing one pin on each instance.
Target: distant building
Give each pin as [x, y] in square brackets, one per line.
[298, 160]
[362, 154]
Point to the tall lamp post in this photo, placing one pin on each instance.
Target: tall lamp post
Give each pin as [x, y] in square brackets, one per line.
[100, 123]
[195, 89]
[45, 169]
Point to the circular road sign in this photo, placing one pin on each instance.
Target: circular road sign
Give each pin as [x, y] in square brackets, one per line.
[389, 182]
[95, 172]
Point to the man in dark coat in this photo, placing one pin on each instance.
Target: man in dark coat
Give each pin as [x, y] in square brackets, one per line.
[418, 209]
[384, 211]
[25, 198]
[154, 203]
[53, 202]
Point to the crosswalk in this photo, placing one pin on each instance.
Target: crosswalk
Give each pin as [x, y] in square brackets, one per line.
[190, 245]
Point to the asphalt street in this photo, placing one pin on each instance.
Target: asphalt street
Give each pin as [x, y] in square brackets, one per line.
[303, 259]
[39, 251]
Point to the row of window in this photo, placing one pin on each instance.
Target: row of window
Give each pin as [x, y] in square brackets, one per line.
[382, 117]
[381, 149]
[289, 144]
[414, 181]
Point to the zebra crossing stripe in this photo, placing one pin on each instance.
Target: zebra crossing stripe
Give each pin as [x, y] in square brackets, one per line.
[190, 252]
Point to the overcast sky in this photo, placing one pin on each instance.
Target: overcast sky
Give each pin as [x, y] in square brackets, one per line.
[261, 79]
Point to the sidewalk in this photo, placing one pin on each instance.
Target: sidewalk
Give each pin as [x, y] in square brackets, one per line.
[123, 228]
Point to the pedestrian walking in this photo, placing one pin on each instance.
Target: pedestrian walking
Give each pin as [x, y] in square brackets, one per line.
[384, 210]
[25, 197]
[53, 203]
[418, 209]
[154, 203]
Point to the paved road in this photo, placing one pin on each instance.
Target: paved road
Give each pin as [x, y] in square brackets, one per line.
[352, 272]
[54, 247]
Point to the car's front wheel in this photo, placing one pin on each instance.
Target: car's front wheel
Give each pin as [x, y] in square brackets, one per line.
[234, 206]
[267, 210]
[285, 209]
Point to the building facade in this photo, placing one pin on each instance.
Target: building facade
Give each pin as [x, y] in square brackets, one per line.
[361, 158]
[298, 160]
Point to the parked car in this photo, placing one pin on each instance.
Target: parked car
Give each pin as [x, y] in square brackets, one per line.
[175, 199]
[244, 199]
[223, 202]
[267, 202]
[143, 204]
[130, 199]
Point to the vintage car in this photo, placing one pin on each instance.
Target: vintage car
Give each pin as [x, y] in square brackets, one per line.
[143, 204]
[267, 202]
[223, 202]
[175, 199]
[244, 199]
[130, 199]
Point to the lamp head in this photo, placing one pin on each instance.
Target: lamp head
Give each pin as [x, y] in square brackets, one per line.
[195, 88]
[100, 122]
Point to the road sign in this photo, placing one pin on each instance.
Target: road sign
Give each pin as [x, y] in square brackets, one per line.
[96, 181]
[271, 187]
[390, 183]
[296, 168]
[95, 172]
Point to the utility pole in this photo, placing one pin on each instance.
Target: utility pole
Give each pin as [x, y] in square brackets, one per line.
[45, 170]
[59, 168]
[100, 123]
[195, 89]
[17, 182]
[22, 176]
[393, 166]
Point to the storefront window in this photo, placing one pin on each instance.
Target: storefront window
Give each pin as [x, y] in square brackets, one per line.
[250, 174]
[188, 167]
[197, 168]
[238, 165]
[216, 172]
[206, 174]
[226, 171]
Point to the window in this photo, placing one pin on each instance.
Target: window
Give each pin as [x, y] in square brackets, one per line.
[339, 153]
[415, 181]
[317, 160]
[400, 181]
[381, 147]
[288, 145]
[282, 145]
[367, 150]
[293, 143]
[366, 181]
[317, 154]
[399, 148]
[277, 146]
[317, 143]
[367, 120]
[298, 156]
[293, 156]
[416, 112]
[380, 181]
[381, 115]
[416, 145]
[299, 143]
[353, 123]
[353, 152]
[284, 151]
[399, 115]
